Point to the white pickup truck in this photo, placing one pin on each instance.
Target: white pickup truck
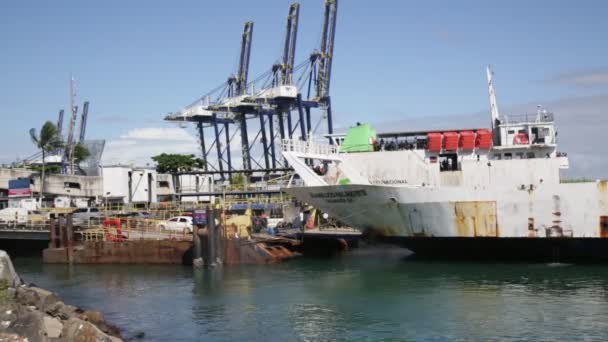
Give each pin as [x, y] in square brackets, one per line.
[20, 216]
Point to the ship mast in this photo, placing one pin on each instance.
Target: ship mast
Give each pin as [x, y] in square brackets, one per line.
[492, 93]
[493, 107]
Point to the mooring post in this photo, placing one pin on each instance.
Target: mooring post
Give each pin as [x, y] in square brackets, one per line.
[61, 233]
[69, 238]
[211, 238]
[197, 255]
[219, 238]
[53, 232]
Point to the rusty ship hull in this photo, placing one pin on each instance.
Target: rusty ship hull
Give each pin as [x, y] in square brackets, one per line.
[562, 222]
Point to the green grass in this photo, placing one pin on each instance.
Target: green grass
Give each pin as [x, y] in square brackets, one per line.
[5, 296]
[578, 180]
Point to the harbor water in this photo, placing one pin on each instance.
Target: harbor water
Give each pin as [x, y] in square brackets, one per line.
[366, 295]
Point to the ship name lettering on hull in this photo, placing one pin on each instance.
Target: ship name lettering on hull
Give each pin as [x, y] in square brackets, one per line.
[339, 196]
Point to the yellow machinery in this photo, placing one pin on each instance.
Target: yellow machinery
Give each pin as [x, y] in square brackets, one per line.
[239, 225]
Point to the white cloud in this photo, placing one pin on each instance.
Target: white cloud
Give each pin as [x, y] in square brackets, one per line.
[159, 133]
[138, 145]
[584, 78]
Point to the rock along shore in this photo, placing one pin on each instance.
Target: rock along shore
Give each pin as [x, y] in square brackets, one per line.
[32, 314]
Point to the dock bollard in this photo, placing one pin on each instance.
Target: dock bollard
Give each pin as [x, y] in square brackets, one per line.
[197, 255]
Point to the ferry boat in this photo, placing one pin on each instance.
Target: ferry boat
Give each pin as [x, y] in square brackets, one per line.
[474, 193]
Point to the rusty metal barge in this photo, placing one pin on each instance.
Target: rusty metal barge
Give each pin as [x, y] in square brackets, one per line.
[483, 193]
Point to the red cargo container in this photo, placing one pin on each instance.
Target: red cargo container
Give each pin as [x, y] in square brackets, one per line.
[484, 139]
[467, 140]
[434, 142]
[450, 141]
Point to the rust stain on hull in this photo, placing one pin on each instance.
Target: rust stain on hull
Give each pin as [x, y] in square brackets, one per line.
[531, 229]
[604, 226]
[602, 188]
[128, 252]
[475, 219]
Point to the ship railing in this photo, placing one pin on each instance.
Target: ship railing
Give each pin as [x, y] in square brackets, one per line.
[308, 147]
[529, 118]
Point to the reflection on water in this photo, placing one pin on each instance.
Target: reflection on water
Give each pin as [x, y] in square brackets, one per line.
[367, 295]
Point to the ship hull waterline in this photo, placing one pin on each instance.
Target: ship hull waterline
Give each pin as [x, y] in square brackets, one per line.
[560, 223]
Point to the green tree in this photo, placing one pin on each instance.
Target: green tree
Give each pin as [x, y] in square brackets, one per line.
[47, 141]
[238, 179]
[173, 163]
[80, 153]
[49, 170]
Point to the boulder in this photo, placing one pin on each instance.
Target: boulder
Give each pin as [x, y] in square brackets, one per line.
[6, 337]
[40, 298]
[94, 317]
[27, 323]
[76, 329]
[7, 271]
[52, 327]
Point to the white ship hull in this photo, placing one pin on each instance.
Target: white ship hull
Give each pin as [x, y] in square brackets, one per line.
[491, 222]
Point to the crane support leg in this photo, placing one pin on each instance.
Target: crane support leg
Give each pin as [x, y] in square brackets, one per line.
[289, 124]
[218, 146]
[271, 141]
[264, 141]
[308, 121]
[201, 134]
[228, 157]
[330, 123]
[301, 117]
[245, 143]
[281, 125]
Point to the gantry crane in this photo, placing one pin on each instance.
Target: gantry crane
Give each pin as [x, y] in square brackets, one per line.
[270, 98]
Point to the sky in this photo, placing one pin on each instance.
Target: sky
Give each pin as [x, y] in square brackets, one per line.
[395, 63]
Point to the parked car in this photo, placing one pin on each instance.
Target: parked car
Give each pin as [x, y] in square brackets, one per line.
[177, 224]
[84, 217]
[135, 215]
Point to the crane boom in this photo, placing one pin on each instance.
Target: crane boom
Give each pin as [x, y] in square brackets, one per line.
[327, 48]
[60, 123]
[241, 81]
[289, 49]
[83, 121]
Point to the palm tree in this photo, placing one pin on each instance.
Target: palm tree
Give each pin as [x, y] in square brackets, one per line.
[48, 140]
[80, 153]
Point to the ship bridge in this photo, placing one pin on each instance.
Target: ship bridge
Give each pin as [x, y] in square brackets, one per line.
[527, 129]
